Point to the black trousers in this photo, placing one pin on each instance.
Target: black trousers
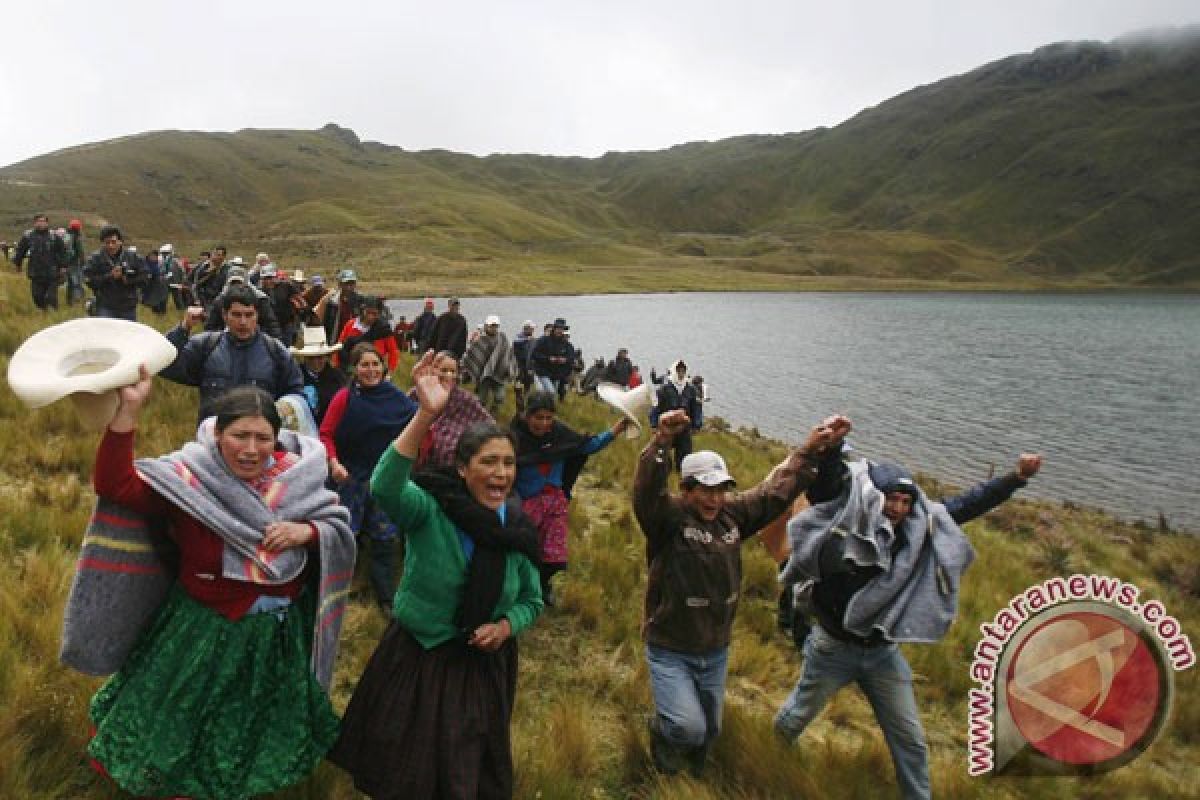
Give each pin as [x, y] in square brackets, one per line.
[682, 447]
[44, 291]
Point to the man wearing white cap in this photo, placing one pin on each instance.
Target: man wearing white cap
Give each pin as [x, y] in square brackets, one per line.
[489, 362]
[693, 548]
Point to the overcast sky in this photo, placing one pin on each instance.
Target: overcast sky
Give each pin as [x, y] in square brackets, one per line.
[562, 77]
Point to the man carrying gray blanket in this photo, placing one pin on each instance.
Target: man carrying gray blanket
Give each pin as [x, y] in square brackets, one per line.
[882, 563]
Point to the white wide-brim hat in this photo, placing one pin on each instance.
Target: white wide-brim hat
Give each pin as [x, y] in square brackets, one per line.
[633, 403]
[314, 343]
[87, 360]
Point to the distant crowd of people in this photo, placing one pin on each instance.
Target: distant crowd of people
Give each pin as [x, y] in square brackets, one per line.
[308, 457]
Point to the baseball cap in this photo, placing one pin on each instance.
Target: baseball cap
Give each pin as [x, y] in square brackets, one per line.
[347, 275]
[706, 467]
[492, 319]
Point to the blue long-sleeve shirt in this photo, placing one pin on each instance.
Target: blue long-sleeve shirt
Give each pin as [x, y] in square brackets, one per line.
[531, 479]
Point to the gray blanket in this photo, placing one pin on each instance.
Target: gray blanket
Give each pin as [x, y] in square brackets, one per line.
[123, 575]
[915, 598]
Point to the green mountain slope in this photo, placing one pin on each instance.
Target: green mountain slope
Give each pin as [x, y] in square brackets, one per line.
[1074, 165]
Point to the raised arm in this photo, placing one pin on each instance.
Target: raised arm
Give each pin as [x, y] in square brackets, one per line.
[983, 497]
[651, 503]
[757, 507]
[114, 477]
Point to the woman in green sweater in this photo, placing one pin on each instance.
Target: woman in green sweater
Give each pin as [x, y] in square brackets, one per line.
[430, 716]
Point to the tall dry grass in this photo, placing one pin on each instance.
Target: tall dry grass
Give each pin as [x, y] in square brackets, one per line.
[579, 728]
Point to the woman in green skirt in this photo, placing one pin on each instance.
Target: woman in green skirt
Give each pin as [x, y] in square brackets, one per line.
[211, 581]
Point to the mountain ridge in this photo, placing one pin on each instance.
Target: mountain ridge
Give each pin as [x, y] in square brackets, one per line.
[1072, 166]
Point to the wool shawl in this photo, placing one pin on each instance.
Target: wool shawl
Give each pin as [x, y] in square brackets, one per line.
[123, 574]
[915, 596]
[491, 536]
[560, 444]
[374, 416]
[461, 412]
[489, 358]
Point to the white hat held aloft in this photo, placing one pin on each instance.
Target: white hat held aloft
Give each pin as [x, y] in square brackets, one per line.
[633, 403]
[88, 360]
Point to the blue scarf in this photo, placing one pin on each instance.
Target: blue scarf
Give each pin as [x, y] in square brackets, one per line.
[374, 417]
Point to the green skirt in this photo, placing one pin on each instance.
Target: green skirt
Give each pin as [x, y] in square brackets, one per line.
[213, 708]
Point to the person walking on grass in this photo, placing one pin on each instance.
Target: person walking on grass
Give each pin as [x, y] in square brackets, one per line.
[223, 690]
[693, 552]
[881, 563]
[676, 391]
[362, 420]
[116, 275]
[552, 358]
[77, 257]
[369, 327]
[47, 255]
[462, 410]
[490, 364]
[240, 355]
[430, 717]
[550, 457]
[449, 332]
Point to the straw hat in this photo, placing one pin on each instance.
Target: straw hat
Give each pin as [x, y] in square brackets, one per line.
[633, 403]
[314, 343]
[88, 360]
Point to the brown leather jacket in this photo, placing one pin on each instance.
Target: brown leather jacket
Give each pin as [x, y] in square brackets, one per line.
[695, 567]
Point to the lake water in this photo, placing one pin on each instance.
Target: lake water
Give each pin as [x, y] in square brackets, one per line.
[1105, 385]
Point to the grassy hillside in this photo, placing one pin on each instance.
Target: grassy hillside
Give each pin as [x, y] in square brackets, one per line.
[1073, 166]
[583, 701]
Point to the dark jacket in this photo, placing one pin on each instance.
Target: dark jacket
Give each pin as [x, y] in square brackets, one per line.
[449, 333]
[281, 295]
[267, 323]
[217, 362]
[116, 294]
[208, 282]
[46, 252]
[618, 371]
[549, 347]
[671, 398]
[695, 567]
[155, 292]
[422, 328]
[522, 347]
[832, 595]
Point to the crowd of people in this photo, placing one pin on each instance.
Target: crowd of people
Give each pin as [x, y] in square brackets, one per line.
[266, 524]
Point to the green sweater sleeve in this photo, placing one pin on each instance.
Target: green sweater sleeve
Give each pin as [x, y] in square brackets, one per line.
[528, 604]
[407, 504]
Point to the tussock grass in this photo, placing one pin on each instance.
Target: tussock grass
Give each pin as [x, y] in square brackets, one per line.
[579, 728]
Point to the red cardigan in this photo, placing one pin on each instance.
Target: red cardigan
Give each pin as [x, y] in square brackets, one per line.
[200, 549]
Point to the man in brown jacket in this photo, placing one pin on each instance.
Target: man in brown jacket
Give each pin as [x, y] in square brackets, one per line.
[693, 551]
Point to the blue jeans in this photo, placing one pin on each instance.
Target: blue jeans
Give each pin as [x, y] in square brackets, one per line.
[885, 678]
[689, 691]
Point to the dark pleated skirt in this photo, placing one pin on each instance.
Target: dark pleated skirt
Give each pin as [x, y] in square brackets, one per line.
[431, 723]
